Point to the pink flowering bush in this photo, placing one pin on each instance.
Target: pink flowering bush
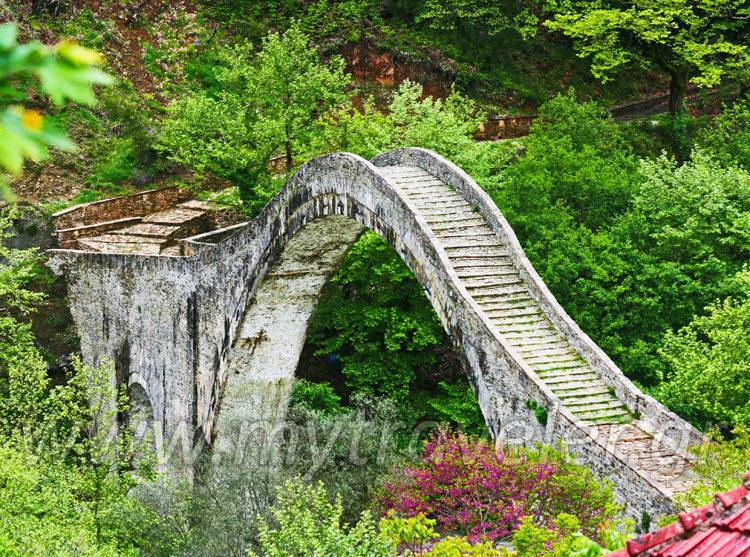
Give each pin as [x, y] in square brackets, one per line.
[470, 486]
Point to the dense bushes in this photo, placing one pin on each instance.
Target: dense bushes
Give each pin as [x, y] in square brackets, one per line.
[727, 137]
[306, 523]
[377, 321]
[482, 491]
[639, 252]
[722, 465]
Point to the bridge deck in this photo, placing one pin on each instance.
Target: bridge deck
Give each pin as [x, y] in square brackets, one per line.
[483, 264]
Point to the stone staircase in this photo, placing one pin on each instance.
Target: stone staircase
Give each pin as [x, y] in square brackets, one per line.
[157, 233]
[485, 268]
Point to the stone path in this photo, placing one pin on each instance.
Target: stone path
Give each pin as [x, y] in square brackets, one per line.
[483, 264]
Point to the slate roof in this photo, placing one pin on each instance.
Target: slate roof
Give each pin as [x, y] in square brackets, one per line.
[720, 529]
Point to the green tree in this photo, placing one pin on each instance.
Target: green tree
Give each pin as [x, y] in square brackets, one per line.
[65, 71]
[267, 103]
[490, 18]
[293, 89]
[698, 41]
[708, 376]
[577, 161]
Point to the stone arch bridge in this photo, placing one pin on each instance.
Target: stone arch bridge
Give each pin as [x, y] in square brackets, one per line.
[214, 336]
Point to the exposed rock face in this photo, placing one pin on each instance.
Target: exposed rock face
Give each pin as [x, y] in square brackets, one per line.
[214, 337]
[30, 229]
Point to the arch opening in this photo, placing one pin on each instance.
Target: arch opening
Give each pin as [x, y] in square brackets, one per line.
[264, 359]
[141, 423]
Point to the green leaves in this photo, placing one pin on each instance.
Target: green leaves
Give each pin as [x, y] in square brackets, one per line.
[63, 81]
[377, 321]
[65, 72]
[308, 525]
[24, 134]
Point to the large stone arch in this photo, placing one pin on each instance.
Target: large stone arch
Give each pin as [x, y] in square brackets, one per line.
[205, 331]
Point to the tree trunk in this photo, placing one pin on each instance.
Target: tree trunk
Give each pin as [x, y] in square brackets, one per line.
[681, 142]
[677, 93]
[288, 147]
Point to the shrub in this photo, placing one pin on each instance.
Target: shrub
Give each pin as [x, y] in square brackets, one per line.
[728, 136]
[576, 161]
[471, 487]
[415, 536]
[315, 396]
[350, 450]
[306, 524]
[564, 538]
[42, 511]
[721, 465]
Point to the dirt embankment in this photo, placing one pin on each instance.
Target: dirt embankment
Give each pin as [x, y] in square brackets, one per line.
[369, 65]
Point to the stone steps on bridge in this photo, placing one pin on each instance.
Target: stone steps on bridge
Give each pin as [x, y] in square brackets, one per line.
[647, 453]
[483, 264]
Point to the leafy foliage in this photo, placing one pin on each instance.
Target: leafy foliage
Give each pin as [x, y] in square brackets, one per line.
[65, 72]
[721, 465]
[219, 514]
[728, 136]
[709, 363]
[416, 535]
[315, 396]
[575, 160]
[42, 512]
[564, 538]
[307, 524]
[376, 320]
[471, 487]
[348, 450]
[644, 251]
